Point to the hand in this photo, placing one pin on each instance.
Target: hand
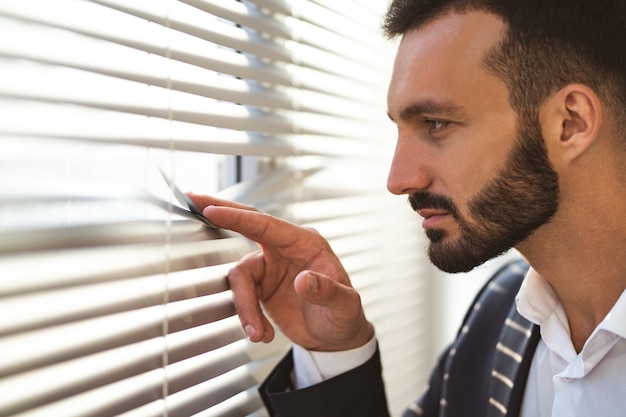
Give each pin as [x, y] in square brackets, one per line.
[295, 276]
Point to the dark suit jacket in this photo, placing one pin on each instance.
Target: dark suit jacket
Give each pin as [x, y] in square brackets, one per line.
[482, 373]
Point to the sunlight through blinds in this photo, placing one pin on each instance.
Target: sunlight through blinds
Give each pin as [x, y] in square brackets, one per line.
[114, 299]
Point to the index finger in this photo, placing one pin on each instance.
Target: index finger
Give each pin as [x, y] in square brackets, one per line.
[203, 201]
[255, 225]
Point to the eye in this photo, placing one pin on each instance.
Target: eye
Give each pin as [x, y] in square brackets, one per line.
[434, 125]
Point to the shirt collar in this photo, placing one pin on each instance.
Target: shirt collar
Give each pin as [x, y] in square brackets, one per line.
[615, 321]
[537, 301]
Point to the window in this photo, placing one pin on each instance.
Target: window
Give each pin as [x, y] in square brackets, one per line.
[114, 302]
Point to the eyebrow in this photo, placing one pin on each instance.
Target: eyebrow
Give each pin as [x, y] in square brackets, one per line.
[428, 106]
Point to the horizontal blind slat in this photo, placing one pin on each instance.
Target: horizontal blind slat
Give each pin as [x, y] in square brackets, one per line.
[93, 300]
[178, 106]
[153, 133]
[114, 330]
[219, 389]
[138, 391]
[324, 18]
[182, 46]
[287, 85]
[151, 38]
[106, 129]
[242, 13]
[54, 270]
[123, 361]
[302, 32]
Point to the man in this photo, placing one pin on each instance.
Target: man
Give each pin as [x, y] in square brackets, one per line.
[510, 117]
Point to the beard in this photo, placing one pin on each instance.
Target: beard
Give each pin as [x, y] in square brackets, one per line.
[506, 211]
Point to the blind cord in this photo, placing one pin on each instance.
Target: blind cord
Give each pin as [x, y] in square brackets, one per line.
[168, 234]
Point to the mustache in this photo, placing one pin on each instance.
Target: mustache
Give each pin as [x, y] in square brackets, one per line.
[425, 200]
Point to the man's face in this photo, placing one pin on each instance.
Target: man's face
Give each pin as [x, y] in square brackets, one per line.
[478, 175]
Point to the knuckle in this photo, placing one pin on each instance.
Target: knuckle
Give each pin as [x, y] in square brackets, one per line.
[313, 231]
[250, 207]
[245, 265]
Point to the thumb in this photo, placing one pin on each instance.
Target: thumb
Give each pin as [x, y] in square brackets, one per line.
[321, 290]
[342, 325]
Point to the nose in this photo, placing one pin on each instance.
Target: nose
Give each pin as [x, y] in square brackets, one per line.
[409, 172]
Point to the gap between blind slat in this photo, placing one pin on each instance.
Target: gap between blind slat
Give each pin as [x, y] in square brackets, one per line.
[355, 11]
[310, 211]
[54, 270]
[368, 268]
[124, 360]
[313, 50]
[94, 366]
[262, 357]
[246, 403]
[302, 84]
[115, 127]
[345, 226]
[140, 390]
[190, 49]
[291, 28]
[146, 103]
[251, 191]
[193, 394]
[67, 305]
[188, 138]
[192, 109]
[217, 390]
[343, 25]
[385, 242]
[219, 60]
[100, 235]
[243, 14]
[116, 330]
[226, 142]
[388, 270]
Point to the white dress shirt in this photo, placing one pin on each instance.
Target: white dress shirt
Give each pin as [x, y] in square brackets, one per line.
[561, 383]
[312, 367]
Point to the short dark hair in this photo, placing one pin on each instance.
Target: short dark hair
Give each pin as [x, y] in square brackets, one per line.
[548, 44]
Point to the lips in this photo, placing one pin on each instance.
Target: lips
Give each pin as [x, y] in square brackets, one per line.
[426, 213]
[436, 209]
[432, 217]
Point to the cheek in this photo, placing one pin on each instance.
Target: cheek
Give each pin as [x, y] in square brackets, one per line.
[468, 172]
[474, 165]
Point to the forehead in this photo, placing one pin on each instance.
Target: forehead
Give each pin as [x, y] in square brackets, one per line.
[443, 60]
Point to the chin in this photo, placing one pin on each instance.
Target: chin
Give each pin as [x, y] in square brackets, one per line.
[455, 256]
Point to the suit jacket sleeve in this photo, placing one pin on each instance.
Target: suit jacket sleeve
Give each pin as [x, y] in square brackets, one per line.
[460, 382]
[359, 392]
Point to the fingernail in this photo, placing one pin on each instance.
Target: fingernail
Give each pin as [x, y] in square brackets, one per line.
[312, 282]
[250, 331]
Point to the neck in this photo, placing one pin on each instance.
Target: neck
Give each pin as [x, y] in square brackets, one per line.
[582, 253]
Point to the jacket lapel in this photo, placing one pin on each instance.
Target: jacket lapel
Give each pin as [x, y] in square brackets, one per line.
[512, 360]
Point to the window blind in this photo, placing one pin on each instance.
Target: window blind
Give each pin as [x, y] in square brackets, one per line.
[114, 302]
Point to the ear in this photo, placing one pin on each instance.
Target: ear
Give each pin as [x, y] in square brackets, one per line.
[571, 120]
